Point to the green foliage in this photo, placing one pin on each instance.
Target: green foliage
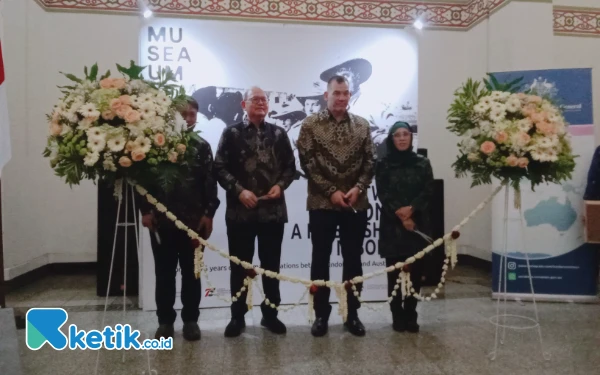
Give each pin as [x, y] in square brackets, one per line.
[513, 86]
[134, 71]
[460, 115]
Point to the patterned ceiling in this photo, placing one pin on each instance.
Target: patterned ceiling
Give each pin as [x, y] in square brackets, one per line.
[454, 14]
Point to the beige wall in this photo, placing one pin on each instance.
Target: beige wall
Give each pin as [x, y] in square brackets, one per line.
[45, 221]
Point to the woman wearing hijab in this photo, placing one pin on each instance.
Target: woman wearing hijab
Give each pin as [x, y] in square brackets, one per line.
[404, 186]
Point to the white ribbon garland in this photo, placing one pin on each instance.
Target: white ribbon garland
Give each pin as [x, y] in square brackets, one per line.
[311, 308]
[249, 295]
[451, 251]
[517, 198]
[343, 301]
[198, 261]
[118, 192]
[403, 284]
[340, 288]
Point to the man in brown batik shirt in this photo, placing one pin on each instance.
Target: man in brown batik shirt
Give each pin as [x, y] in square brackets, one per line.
[337, 155]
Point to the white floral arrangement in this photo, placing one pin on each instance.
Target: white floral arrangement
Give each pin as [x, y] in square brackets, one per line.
[510, 136]
[113, 128]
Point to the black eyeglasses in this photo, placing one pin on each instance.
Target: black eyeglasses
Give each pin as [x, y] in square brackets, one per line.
[257, 100]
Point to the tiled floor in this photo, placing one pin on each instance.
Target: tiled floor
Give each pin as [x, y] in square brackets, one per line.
[456, 337]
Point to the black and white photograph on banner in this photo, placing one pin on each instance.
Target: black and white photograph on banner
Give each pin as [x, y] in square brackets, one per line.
[380, 67]
[299, 187]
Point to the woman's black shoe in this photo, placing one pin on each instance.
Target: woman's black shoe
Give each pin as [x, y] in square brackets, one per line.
[319, 327]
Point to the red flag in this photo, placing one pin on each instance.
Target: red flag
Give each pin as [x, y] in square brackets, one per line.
[5, 152]
[1, 66]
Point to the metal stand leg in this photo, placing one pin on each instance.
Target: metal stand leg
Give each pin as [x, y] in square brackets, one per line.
[500, 320]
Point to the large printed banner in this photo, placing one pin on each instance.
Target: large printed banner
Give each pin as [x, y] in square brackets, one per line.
[550, 232]
[218, 61]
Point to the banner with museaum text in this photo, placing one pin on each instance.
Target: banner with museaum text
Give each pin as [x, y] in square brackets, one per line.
[216, 62]
[550, 231]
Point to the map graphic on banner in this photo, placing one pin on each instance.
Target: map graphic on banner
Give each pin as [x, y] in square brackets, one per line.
[216, 62]
[550, 233]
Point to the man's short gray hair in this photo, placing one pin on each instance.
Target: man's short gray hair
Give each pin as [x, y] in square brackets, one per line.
[249, 91]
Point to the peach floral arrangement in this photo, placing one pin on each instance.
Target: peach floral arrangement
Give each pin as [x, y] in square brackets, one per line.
[510, 136]
[113, 128]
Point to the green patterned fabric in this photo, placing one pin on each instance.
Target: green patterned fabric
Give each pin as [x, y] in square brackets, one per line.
[403, 178]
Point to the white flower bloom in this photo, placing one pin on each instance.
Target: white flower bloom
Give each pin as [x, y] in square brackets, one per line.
[145, 98]
[548, 107]
[137, 85]
[556, 118]
[89, 110]
[96, 133]
[148, 105]
[96, 144]
[553, 140]
[538, 155]
[513, 105]
[53, 147]
[71, 114]
[485, 126]
[162, 110]
[468, 145]
[66, 129]
[134, 101]
[116, 144]
[163, 100]
[136, 130]
[109, 165]
[85, 124]
[498, 107]
[180, 124]
[472, 157]
[91, 158]
[143, 143]
[157, 124]
[60, 106]
[497, 116]
[481, 108]
[524, 125]
[497, 95]
[147, 110]
[487, 100]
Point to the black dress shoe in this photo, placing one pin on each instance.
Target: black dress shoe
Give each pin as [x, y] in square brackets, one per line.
[164, 330]
[412, 326]
[355, 327]
[319, 327]
[191, 331]
[234, 328]
[399, 325]
[274, 325]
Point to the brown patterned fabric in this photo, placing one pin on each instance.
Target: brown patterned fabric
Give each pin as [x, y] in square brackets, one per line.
[336, 156]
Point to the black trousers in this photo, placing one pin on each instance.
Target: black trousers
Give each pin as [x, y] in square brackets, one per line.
[323, 228]
[406, 309]
[175, 246]
[241, 238]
